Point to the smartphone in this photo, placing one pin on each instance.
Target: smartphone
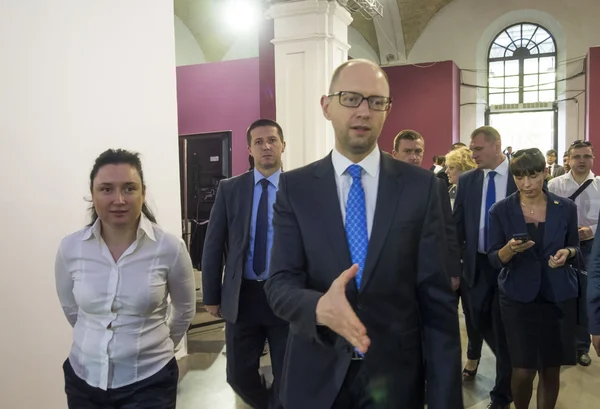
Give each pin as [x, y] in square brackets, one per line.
[523, 237]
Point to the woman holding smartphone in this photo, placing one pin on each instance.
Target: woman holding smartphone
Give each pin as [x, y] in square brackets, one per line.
[532, 235]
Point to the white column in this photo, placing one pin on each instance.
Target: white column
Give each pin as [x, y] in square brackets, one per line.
[311, 40]
[78, 77]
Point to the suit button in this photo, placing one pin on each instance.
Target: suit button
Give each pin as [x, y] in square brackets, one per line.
[348, 349]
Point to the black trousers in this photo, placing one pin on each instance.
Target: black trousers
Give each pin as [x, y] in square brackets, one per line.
[245, 342]
[475, 340]
[484, 308]
[156, 392]
[582, 333]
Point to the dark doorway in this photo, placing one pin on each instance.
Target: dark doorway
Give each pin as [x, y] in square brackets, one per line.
[205, 160]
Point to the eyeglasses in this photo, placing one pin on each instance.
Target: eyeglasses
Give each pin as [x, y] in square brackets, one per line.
[354, 99]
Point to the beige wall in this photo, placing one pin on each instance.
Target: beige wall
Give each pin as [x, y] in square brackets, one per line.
[77, 78]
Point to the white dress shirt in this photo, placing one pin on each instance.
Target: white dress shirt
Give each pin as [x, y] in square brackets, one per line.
[588, 202]
[501, 181]
[119, 309]
[370, 181]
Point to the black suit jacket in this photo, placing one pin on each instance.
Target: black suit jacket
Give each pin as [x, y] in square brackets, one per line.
[226, 244]
[443, 176]
[453, 263]
[467, 212]
[404, 301]
[528, 274]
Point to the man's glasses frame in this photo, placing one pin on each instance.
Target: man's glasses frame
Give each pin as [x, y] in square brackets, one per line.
[372, 100]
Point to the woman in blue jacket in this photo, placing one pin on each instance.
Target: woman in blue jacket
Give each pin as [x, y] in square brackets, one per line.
[532, 234]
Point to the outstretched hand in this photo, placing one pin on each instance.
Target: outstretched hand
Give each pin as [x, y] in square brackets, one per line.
[335, 312]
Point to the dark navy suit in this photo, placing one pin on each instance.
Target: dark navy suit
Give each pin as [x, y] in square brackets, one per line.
[405, 300]
[238, 289]
[480, 294]
[593, 289]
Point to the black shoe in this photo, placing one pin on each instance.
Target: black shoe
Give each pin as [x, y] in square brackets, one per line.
[493, 405]
[468, 375]
[584, 359]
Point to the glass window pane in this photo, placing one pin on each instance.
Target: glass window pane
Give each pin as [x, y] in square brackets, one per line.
[528, 30]
[540, 36]
[496, 51]
[503, 39]
[512, 84]
[514, 32]
[533, 50]
[530, 66]
[511, 98]
[496, 99]
[547, 96]
[546, 47]
[548, 81]
[511, 67]
[497, 69]
[547, 64]
[496, 84]
[529, 80]
[531, 96]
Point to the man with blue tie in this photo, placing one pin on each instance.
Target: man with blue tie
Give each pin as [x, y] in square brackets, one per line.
[478, 190]
[356, 268]
[240, 237]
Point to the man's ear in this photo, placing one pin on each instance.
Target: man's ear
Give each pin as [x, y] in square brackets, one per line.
[325, 101]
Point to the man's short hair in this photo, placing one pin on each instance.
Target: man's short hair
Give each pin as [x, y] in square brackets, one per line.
[407, 135]
[551, 152]
[263, 122]
[338, 71]
[490, 134]
[457, 145]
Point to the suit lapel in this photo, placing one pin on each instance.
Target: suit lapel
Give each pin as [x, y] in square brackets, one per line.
[477, 193]
[553, 221]
[330, 214]
[388, 194]
[246, 199]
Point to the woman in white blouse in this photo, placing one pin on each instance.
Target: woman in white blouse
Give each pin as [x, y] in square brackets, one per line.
[114, 279]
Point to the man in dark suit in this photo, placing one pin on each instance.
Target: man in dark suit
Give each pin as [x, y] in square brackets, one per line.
[478, 190]
[554, 169]
[409, 147]
[593, 296]
[240, 235]
[356, 268]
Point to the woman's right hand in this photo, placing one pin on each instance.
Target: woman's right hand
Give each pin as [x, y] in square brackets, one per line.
[518, 246]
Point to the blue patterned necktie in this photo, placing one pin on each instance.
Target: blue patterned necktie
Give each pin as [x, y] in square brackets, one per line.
[356, 221]
[490, 199]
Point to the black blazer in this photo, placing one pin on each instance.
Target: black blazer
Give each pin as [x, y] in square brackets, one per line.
[467, 212]
[593, 289]
[404, 301]
[528, 274]
[453, 263]
[226, 244]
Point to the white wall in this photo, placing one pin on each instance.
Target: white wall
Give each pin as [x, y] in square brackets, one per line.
[463, 31]
[359, 47]
[83, 76]
[187, 49]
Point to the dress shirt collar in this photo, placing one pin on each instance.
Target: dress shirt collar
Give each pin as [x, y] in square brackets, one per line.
[144, 227]
[589, 176]
[501, 169]
[274, 178]
[370, 164]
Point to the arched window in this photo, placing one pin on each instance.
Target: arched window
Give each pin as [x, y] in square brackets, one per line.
[522, 66]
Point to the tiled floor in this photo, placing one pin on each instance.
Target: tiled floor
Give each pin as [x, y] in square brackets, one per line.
[203, 383]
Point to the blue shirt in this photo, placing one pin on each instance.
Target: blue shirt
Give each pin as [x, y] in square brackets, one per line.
[272, 189]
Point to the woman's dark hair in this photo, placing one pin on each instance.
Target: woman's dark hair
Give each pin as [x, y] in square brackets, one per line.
[119, 157]
[527, 162]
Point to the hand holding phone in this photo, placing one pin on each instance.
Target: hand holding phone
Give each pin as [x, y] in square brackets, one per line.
[522, 237]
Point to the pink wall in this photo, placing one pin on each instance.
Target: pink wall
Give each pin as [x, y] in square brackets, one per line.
[427, 99]
[222, 96]
[592, 117]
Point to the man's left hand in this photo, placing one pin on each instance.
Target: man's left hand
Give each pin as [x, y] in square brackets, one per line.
[585, 233]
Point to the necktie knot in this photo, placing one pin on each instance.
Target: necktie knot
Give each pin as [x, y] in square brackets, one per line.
[355, 171]
[492, 174]
[264, 183]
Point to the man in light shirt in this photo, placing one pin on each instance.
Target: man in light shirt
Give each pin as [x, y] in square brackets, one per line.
[581, 161]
